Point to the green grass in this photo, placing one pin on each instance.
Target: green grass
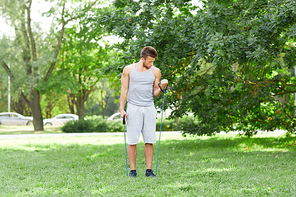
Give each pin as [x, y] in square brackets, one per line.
[225, 165]
[28, 129]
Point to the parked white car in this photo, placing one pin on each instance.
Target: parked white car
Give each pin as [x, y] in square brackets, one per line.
[60, 119]
[115, 117]
[12, 118]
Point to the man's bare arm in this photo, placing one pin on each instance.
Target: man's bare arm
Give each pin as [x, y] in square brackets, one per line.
[124, 90]
[164, 82]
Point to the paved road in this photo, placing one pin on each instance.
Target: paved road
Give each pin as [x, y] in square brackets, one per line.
[72, 134]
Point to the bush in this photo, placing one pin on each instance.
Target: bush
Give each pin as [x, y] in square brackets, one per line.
[188, 124]
[103, 125]
[167, 125]
[80, 126]
[115, 126]
[92, 124]
[185, 123]
[98, 124]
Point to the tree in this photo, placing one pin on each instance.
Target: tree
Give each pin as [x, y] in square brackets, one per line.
[227, 63]
[34, 53]
[105, 99]
[83, 59]
[82, 64]
[86, 61]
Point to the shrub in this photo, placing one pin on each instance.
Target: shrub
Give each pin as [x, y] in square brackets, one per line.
[98, 124]
[185, 123]
[188, 124]
[103, 125]
[92, 124]
[80, 126]
[115, 126]
[167, 125]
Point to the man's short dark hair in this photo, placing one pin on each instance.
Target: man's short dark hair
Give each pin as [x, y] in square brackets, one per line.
[148, 51]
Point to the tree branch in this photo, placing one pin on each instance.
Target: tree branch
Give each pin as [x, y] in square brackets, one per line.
[288, 115]
[58, 47]
[6, 68]
[195, 83]
[60, 40]
[33, 46]
[26, 48]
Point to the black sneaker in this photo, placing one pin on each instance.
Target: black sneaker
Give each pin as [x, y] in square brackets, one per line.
[149, 172]
[133, 173]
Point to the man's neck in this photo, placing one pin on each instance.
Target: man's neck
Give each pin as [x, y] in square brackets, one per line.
[140, 67]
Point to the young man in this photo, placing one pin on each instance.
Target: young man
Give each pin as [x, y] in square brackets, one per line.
[140, 81]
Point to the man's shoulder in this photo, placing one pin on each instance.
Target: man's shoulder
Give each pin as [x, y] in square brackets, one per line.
[128, 69]
[129, 66]
[155, 70]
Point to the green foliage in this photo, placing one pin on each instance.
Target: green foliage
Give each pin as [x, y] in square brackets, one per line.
[186, 123]
[83, 65]
[115, 126]
[229, 62]
[103, 125]
[167, 125]
[92, 124]
[80, 126]
[99, 124]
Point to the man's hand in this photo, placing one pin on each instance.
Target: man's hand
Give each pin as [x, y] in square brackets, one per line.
[164, 83]
[123, 113]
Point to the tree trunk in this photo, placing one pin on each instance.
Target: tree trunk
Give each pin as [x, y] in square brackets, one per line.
[179, 97]
[103, 105]
[48, 109]
[177, 121]
[80, 106]
[71, 102]
[21, 107]
[36, 110]
[106, 103]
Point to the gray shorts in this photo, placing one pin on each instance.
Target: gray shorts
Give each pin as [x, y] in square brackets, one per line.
[141, 120]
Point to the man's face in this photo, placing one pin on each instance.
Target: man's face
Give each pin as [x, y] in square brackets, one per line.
[148, 62]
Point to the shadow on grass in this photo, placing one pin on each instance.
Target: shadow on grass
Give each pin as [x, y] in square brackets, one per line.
[233, 143]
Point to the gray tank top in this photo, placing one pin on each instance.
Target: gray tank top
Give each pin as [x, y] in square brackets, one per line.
[140, 88]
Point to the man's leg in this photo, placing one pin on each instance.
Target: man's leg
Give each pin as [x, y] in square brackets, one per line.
[149, 129]
[132, 155]
[148, 155]
[149, 158]
[134, 125]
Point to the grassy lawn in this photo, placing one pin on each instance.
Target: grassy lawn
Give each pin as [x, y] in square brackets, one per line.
[29, 129]
[225, 165]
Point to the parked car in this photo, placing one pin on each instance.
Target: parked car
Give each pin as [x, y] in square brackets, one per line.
[12, 118]
[115, 117]
[60, 119]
